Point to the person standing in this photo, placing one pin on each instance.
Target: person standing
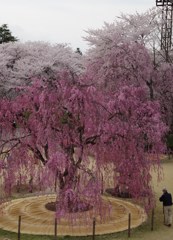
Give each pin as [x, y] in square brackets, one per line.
[166, 198]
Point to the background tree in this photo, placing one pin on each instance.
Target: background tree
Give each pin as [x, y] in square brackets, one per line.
[136, 37]
[78, 51]
[116, 63]
[6, 35]
[164, 92]
[21, 62]
[146, 29]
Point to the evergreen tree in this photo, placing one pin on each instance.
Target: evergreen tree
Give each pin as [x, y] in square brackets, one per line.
[78, 51]
[5, 35]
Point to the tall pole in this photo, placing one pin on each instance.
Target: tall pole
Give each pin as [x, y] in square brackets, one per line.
[166, 27]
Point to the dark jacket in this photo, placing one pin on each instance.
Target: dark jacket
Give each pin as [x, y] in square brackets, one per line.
[166, 198]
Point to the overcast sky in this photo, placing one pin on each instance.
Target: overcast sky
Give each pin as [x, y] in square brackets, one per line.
[63, 21]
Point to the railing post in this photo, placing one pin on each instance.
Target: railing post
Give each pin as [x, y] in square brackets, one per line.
[55, 228]
[152, 220]
[129, 225]
[19, 226]
[94, 226]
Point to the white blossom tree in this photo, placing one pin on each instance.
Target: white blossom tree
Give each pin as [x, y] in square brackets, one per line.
[21, 62]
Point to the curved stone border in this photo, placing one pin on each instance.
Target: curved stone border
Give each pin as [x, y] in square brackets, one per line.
[36, 219]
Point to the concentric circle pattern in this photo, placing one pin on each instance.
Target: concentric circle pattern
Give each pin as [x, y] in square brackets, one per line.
[36, 219]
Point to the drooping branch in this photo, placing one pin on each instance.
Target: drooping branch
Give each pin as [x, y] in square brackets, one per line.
[37, 153]
[91, 140]
[16, 140]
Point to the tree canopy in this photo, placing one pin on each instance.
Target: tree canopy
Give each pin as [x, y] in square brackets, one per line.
[21, 62]
[71, 133]
[136, 37]
[74, 120]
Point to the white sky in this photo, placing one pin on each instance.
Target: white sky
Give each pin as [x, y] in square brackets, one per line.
[63, 21]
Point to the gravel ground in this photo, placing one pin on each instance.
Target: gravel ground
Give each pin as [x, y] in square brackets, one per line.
[160, 231]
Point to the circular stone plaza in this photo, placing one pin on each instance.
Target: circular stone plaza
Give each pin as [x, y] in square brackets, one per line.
[36, 219]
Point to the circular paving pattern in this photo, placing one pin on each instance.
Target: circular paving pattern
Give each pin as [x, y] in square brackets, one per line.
[36, 219]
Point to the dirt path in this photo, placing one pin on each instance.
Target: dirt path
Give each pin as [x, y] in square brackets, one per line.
[160, 231]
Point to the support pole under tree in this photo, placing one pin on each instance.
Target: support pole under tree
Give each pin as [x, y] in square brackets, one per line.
[129, 225]
[19, 227]
[94, 226]
[55, 228]
[152, 220]
[102, 183]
